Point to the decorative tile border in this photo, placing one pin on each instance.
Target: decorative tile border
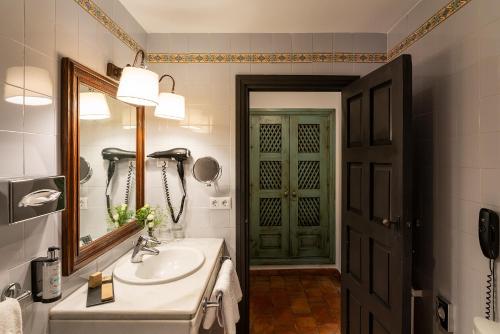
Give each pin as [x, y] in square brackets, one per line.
[93, 9]
[439, 17]
[337, 57]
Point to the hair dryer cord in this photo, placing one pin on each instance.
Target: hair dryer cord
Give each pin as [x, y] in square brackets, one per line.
[175, 218]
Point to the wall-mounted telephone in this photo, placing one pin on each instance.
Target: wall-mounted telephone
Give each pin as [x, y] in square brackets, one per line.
[489, 236]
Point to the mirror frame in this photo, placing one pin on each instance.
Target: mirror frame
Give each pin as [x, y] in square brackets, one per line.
[75, 257]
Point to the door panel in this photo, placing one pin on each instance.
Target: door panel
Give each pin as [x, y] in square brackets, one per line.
[309, 161]
[269, 178]
[376, 209]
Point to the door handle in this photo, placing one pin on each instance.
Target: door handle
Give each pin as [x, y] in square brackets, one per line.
[388, 223]
[294, 194]
[285, 194]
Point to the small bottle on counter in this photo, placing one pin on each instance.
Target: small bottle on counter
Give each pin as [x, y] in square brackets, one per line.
[46, 277]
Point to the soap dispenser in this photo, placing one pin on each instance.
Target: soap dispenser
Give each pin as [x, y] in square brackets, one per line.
[46, 277]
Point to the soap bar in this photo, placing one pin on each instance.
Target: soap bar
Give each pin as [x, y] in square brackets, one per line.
[106, 292]
[106, 279]
[95, 280]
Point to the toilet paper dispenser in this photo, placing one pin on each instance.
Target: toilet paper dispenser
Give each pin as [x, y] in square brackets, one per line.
[26, 198]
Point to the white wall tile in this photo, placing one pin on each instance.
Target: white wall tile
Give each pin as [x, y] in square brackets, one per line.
[67, 28]
[11, 147]
[12, 22]
[302, 43]
[40, 154]
[40, 25]
[13, 56]
[11, 115]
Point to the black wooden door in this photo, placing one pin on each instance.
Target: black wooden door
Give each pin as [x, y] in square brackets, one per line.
[376, 201]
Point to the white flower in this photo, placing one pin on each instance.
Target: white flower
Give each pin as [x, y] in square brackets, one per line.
[124, 206]
[146, 205]
[115, 216]
[150, 217]
[151, 225]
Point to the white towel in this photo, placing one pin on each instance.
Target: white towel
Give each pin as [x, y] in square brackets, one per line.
[227, 283]
[10, 317]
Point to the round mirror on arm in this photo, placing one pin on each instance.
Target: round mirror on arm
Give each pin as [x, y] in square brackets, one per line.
[85, 170]
[207, 170]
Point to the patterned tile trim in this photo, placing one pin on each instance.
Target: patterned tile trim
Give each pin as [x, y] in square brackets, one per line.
[90, 7]
[439, 17]
[337, 57]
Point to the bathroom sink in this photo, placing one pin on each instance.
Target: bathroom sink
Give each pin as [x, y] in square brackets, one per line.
[173, 263]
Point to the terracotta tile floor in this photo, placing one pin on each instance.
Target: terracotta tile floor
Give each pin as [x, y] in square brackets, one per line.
[294, 301]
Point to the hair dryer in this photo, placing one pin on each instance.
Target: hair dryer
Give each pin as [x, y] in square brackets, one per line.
[180, 155]
[114, 155]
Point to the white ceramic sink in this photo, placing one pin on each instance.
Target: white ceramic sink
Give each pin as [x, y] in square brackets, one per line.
[173, 263]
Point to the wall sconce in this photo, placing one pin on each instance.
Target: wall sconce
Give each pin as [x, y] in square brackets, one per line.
[93, 106]
[36, 82]
[138, 85]
[170, 105]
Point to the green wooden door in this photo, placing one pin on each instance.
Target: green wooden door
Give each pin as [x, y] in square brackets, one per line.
[269, 186]
[289, 187]
[309, 184]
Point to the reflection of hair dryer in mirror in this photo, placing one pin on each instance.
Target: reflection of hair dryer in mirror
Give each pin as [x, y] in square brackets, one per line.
[179, 155]
[114, 155]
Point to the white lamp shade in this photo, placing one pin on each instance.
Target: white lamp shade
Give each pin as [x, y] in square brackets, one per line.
[93, 105]
[171, 106]
[35, 80]
[138, 86]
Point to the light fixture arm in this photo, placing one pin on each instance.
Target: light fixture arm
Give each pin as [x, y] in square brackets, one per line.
[171, 77]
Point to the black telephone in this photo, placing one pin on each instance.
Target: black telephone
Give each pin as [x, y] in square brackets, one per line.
[488, 233]
[489, 241]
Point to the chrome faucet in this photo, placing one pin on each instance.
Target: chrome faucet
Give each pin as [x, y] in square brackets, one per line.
[144, 245]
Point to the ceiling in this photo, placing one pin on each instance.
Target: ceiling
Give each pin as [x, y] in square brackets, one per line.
[267, 16]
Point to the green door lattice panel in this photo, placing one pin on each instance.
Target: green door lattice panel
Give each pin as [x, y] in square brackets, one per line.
[289, 182]
[270, 175]
[270, 211]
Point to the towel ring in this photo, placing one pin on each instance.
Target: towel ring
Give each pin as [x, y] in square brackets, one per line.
[13, 290]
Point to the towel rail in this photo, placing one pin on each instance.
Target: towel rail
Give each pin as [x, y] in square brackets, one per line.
[206, 304]
[13, 290]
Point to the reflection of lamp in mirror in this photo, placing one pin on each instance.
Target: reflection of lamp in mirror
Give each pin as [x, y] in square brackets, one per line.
[171, 105]
[35, 80]
[129, 121]
[93, 106]
[138, 85]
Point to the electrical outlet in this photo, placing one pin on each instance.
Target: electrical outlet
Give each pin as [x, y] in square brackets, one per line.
[444, 314]
[159, 163]
[220, 203]
[83, 203]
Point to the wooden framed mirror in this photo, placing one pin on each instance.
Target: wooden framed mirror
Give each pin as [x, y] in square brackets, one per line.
[102, 153]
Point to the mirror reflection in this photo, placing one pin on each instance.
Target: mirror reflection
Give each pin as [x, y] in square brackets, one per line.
[107, 174]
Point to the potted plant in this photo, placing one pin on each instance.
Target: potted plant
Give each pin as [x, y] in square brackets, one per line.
[120, 215]
[150, 218]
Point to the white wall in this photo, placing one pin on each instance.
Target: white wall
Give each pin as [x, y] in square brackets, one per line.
[320, 100]
[456, 93]
[209, 128]
[39, 33]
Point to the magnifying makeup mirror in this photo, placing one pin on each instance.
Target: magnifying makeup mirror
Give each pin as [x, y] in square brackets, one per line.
[207, 170]
[85, 170]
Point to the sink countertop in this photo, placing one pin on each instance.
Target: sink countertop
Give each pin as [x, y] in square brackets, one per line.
[178, 300]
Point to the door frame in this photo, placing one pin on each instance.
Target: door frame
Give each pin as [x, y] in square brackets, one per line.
[331, 113]
[262, 83]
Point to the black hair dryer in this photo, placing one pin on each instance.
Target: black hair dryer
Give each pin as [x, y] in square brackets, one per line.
[114, 155]
[179, 155]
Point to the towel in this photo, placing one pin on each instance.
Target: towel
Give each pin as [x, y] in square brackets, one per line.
[227, 283]
[10, 317]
